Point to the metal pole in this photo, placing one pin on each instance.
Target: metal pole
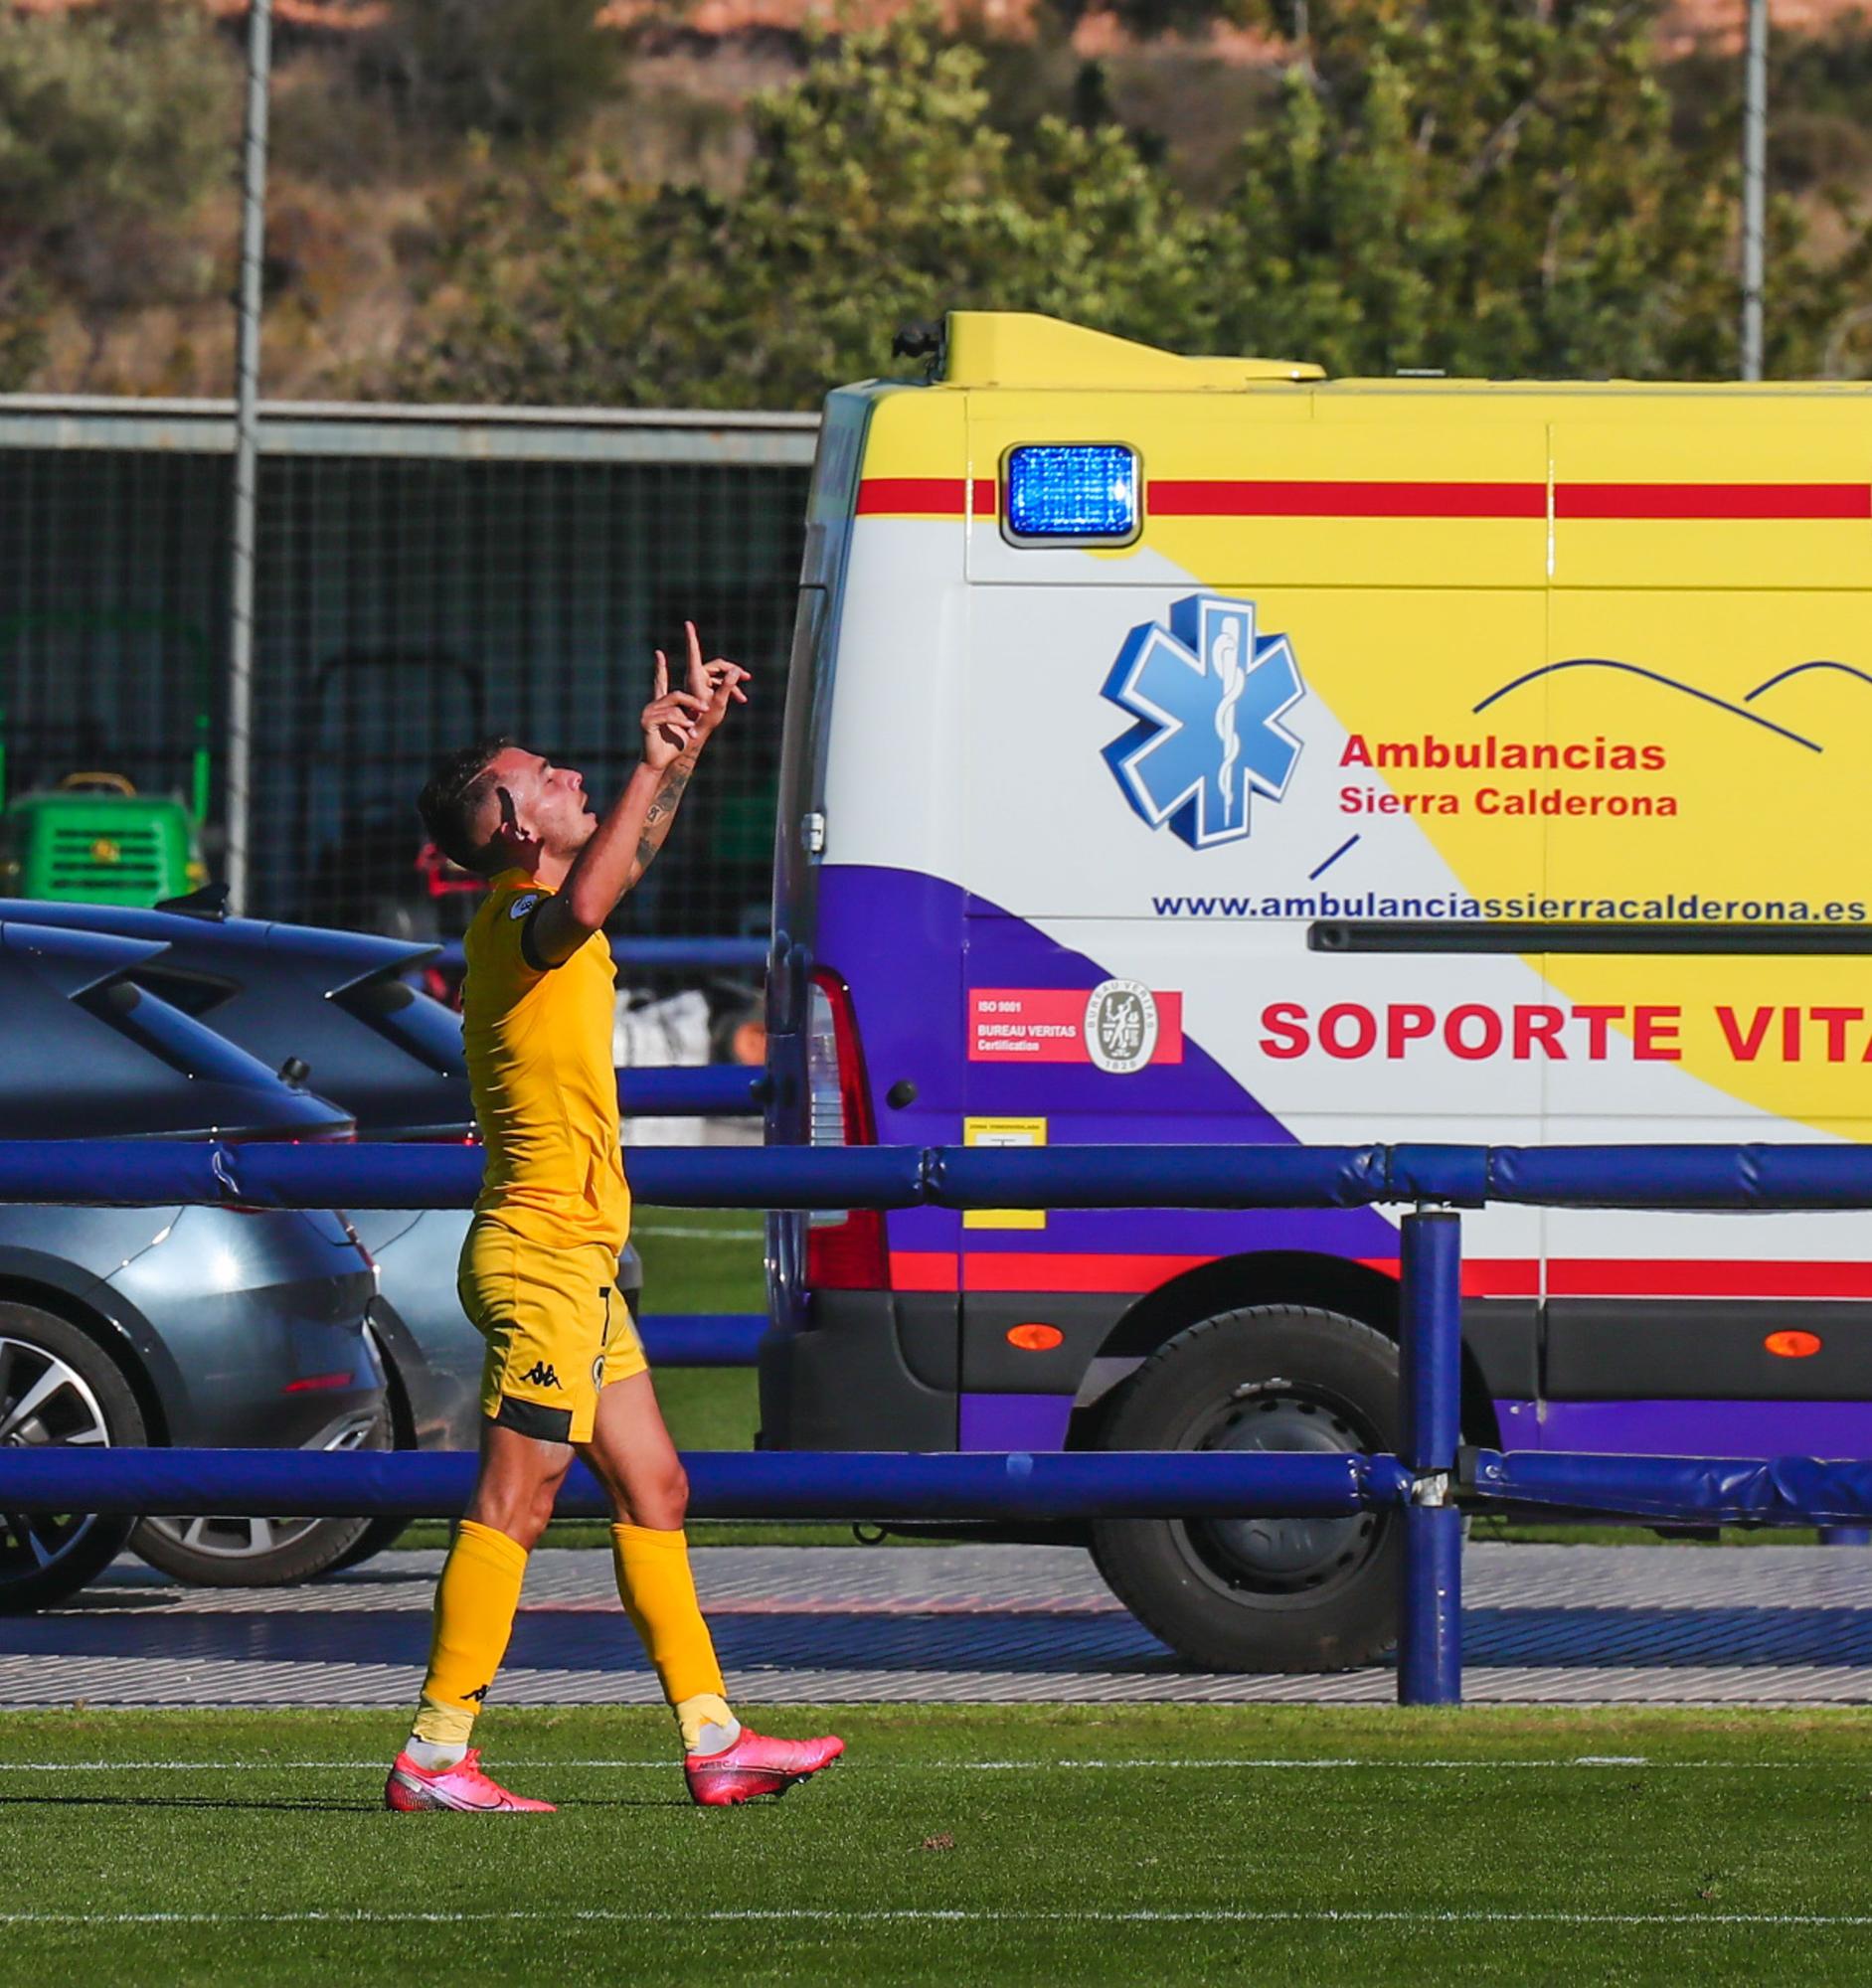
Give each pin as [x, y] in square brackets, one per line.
[1754, 186]
[1429, 1400]
[246, 388]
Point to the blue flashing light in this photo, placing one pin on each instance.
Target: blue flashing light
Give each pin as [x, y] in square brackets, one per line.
[1072, 490]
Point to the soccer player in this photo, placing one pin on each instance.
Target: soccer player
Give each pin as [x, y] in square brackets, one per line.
[565, 1370]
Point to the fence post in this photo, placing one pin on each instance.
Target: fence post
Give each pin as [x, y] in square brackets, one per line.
[1430, 1389]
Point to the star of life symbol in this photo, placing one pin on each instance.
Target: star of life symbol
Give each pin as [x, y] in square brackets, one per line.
[1208, 692]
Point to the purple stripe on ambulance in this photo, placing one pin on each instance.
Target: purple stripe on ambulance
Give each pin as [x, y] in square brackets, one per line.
[910, 947]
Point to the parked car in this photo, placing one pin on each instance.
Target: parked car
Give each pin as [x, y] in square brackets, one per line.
[186, 1325]
[337, 1008]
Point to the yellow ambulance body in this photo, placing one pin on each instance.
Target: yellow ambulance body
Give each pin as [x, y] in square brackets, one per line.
[1675, 575]
[1204, 750]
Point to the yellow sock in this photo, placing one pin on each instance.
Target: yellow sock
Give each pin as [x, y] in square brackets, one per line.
[659, 1595]
[475, 1601]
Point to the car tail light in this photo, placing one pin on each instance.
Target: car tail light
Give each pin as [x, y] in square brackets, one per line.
[844, 1251]
[316, 1382]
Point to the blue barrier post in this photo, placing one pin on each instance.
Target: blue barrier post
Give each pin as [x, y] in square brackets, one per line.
[1429, 1391]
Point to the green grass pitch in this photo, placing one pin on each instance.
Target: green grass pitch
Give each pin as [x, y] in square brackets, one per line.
[962, 1844]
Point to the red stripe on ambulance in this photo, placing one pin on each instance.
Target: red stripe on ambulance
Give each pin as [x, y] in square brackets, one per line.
[1279, 498]
[1713, 500]
[1586, 1277]
[1289, 497]
[1125, 1275]
[923, 496]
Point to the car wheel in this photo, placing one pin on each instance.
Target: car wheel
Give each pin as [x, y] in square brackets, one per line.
[260, 1552]
[1261, 1595]
[58, 1385]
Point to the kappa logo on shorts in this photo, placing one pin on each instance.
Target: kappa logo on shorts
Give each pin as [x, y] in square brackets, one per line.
[539, 1375]
[478, 1695]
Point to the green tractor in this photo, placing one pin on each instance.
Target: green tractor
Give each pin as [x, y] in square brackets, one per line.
[95, 840]
[78, 686]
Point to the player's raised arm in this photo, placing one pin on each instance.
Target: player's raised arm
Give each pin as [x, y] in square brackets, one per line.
[677, 723]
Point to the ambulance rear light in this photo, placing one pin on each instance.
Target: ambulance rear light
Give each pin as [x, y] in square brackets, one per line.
[1071, 493]
[835, 1069]
[844, 1251]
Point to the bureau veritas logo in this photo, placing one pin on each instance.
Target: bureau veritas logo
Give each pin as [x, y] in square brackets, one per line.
[1120, 1026]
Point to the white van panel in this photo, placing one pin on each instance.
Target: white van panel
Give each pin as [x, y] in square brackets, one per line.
[899, 699]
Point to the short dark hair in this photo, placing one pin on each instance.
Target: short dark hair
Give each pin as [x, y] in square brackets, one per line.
[453, 798]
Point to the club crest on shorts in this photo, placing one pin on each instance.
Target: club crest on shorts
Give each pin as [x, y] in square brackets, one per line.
[522, 904]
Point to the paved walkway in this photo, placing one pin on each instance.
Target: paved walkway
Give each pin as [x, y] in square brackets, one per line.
[1544, 1625]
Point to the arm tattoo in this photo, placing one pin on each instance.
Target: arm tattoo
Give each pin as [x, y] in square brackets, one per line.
[662, 810]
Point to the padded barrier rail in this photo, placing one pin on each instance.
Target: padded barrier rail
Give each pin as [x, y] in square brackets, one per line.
[702, 1338]
[723, 1484]
[720, 954]
[141, 1173]
[1422, 1484]
[1710, 1490]
[685, 1090]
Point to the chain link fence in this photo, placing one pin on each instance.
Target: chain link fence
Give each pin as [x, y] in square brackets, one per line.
[424, 575]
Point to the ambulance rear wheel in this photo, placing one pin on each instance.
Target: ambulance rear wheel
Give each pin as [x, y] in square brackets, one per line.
[1261, 1595]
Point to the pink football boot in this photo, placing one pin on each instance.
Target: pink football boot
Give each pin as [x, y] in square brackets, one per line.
[462, 1786]
[755, 1765]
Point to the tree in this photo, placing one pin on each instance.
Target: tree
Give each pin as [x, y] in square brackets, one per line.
[1491, 186]
[876, 194]
[1148, 19]
[112, 127]
[511, 69]
[1483, 186]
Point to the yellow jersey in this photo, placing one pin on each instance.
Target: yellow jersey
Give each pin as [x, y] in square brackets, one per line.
[540, 1070]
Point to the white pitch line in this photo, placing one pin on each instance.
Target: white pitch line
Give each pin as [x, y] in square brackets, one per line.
[1601, 1762]
[890, 1916]
[132, 1767]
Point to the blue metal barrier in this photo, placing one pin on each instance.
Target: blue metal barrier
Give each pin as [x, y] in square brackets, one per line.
[141, 1173]
[717, 954]
[1423, 1480]
[682, 1090]
[702, 1339]
[1713, 1490]
[723, 1484]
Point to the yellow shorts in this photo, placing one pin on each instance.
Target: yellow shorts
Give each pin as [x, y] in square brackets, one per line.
[557, 1329]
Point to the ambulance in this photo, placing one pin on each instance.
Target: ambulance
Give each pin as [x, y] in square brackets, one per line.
[1202, 749]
